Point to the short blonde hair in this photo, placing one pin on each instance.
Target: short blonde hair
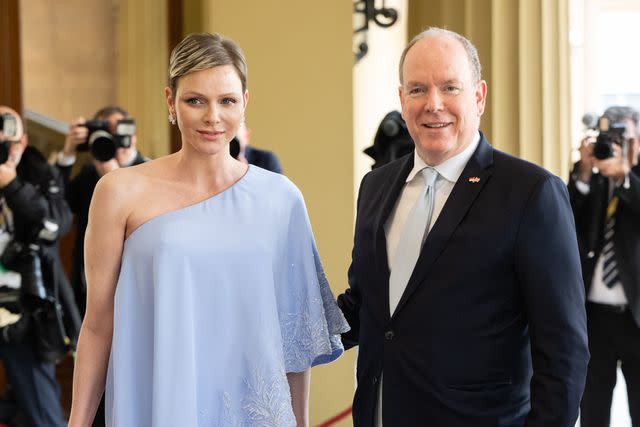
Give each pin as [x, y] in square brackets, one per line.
[201, 51]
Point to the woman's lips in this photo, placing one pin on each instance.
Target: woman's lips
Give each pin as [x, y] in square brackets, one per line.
[211, 135]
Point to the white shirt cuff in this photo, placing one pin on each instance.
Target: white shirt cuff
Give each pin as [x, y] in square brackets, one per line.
[65, 159]
[583, 187]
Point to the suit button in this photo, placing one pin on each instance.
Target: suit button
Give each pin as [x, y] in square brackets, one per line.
[375, 380]
[388, 335]
[591, 254]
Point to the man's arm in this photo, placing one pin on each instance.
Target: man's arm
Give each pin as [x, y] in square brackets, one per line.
[34, 202]
[349, 301]
[548, 269]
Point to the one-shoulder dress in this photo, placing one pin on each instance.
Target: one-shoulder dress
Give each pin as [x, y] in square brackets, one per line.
[214, 304]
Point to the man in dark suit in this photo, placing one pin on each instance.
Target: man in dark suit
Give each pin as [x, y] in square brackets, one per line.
[482, 325]
[79, 189]
[606, 207]
[264, 159]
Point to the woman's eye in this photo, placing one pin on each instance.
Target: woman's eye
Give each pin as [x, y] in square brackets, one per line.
[195, 101]
[229, 101]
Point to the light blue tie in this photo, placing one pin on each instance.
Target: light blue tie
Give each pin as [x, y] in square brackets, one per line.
[411, 238]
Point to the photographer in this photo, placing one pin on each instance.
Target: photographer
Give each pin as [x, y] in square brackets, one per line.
[605, 197]
[241, 150]
[79, 190]
[33, 213]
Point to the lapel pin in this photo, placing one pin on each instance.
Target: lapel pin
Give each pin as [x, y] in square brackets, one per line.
[474, 179]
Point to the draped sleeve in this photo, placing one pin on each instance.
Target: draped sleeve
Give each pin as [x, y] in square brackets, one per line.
[310, 320]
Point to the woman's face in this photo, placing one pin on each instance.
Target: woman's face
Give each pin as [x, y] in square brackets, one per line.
[209, 107]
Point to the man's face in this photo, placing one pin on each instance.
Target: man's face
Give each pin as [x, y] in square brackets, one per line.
[633, 142]
[441, 102]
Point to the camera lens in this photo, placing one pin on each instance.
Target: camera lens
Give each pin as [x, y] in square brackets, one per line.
[103, 147]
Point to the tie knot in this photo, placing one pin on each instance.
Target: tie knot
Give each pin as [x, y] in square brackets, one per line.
[430, 175]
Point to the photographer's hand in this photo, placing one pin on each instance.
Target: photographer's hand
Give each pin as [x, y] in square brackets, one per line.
[7, 172]
[76, 136]
[587, 159]
[616, 167]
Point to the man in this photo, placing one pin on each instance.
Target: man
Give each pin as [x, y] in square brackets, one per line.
[484, 324]
[254, 156]
[606, 207]
[30, 193]
[79, 190]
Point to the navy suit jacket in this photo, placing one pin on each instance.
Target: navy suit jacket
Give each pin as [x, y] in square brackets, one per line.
[491, 329]
[263, 158]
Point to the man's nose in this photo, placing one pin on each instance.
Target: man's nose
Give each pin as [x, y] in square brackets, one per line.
[433, 101]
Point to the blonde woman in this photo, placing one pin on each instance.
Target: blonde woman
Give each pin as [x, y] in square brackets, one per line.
[207, 304]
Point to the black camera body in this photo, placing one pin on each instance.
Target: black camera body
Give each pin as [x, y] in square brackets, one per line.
[24, 258]
[41, 311]
[608, 135]
[102, 143]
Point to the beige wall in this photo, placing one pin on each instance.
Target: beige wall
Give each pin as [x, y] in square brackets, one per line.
[68, 56]
[300, 68]
[79, 56]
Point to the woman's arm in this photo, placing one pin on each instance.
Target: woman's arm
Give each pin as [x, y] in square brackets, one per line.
[102, 253]
[299, 387]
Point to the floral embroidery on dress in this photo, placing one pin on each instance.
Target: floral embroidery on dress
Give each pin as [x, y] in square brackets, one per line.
[263, 404]
[312, 324]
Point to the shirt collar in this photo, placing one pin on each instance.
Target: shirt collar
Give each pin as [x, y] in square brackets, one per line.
[450, 169]
[131, 159]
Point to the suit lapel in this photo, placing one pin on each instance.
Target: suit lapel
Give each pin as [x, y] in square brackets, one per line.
[473, 178]
[390, 193]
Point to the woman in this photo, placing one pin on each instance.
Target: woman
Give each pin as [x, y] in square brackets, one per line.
[206, 304]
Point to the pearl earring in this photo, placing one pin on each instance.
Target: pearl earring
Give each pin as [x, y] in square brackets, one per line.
[172, 119]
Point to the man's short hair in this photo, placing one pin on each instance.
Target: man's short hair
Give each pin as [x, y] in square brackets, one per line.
[472, 52]
[620, 113]
[105, 112]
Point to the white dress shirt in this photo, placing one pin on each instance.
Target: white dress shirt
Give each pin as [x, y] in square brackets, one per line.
[599, 292]
[448, 173]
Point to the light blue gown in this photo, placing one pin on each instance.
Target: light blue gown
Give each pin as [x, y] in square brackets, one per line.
[214, 304]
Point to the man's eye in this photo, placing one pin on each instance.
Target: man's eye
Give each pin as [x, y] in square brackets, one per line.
[416, 90]
[451, 89]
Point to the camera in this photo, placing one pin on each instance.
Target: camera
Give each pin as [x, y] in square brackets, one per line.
[41, 311]
[24, 258]
[102, 143]
[9, 129]
[608, 134]
[392, 140]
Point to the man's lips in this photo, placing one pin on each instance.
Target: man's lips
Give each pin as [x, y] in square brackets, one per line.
[436, 125]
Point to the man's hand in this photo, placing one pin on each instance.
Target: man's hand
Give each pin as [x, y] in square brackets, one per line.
[105, 167]
[76, 136]
[587, 160]
[7, 172]
[616, 167]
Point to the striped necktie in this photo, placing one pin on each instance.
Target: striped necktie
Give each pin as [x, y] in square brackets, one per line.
[610, 274]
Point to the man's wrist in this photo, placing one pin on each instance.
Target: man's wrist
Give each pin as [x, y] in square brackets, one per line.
[66, 159]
